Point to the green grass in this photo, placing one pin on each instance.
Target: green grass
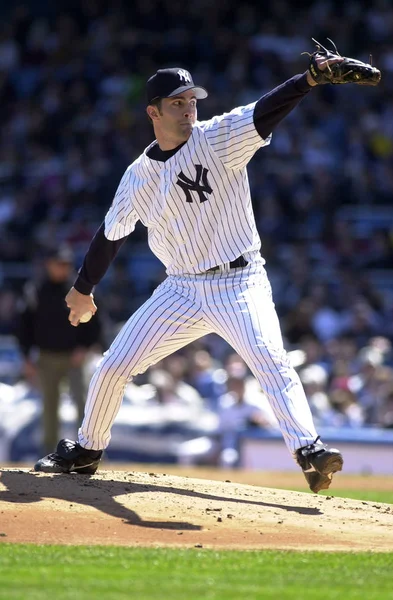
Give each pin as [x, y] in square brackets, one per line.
[367, 495]
[30, 572]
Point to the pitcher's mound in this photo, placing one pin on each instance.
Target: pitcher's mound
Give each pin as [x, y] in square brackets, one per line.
[148, 509]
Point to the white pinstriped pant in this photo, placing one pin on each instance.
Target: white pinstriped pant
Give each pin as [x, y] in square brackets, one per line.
[235, 304]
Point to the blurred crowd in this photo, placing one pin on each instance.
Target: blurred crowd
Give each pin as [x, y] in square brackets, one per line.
[72, 77]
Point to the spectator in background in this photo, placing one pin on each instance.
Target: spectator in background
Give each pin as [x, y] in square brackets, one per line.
[237, 411]
[386, 411]
[370, 382]
[314, 351]
[207, 378]
[172, 391]
[236, 369]
[362, 322]
[8, 311]
[299, 321]
[176, 365]
[380, 253]
[314, 379]
[326, 321]
[53, 350]
[341, 354]
[346, 410]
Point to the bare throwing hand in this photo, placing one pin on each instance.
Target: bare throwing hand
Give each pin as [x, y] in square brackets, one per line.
[79, 304]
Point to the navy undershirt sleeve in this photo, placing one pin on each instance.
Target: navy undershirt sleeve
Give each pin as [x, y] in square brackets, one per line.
[278, 103]
[99, 256]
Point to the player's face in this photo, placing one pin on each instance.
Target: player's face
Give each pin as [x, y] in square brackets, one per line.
[178, 115]
[58, 270]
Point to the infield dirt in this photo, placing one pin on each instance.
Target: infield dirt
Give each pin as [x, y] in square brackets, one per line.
[136, 508]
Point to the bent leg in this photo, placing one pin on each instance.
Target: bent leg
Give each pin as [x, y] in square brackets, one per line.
[170, 319]
[244, 315]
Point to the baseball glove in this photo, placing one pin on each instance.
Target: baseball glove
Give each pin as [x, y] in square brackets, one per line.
[348, 70]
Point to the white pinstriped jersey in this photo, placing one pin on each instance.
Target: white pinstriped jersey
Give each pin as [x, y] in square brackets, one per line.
[197, 204]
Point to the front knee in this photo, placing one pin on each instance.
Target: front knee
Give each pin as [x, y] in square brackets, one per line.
[110, 367]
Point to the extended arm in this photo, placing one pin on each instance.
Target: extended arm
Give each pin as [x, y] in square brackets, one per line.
[274, 106]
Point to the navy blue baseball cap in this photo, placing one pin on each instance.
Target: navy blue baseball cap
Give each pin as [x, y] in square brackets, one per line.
[62, 253]
[172, 82]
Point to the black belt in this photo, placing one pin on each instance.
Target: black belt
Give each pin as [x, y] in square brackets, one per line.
[234, 264]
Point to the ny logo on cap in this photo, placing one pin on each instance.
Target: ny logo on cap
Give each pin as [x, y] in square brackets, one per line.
[183, 74]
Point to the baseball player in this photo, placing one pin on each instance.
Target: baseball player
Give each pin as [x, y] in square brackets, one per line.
[190, 189]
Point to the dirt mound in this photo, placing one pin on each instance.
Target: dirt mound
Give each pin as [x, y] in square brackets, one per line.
[150, 509]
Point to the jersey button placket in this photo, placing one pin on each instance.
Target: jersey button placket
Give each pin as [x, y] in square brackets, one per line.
[166, 180]
[172, 213]
[163, 182]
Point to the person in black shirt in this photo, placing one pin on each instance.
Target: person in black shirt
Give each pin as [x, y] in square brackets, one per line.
[53, 350]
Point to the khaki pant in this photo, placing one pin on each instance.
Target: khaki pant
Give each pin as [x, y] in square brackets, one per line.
[54, 369]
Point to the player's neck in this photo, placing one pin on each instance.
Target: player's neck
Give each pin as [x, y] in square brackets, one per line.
[167, 142]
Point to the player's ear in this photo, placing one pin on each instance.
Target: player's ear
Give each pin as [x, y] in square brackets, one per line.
[152, 112]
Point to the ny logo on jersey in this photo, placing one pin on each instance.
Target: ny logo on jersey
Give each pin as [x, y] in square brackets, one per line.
[183, 74]
[188, 185]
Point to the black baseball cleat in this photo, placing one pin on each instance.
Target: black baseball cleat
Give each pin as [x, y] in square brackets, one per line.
[70, 457]
[319, 463]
